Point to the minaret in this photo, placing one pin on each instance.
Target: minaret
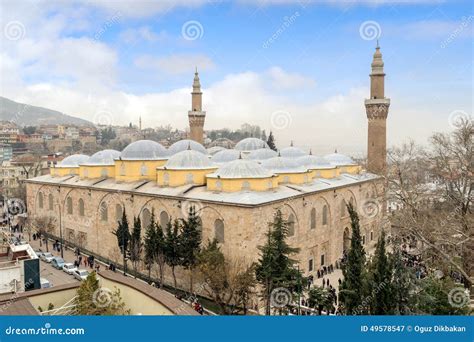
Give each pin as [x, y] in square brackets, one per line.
[140, 123]
[196, 115]
[377, 111]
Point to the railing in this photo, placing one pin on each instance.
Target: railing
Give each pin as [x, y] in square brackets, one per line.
[69, 308]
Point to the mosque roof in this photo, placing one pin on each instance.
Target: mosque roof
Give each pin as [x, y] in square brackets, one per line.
[104, 157]
[261, 154]
[250, 144]
[241, 168]
[314, 162]
[189, 160]
[225, 156]
[144, 150]
[183, 145]
[73, 160]
[339, 159]
[283, 165]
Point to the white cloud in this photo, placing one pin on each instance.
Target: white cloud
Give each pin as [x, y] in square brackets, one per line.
[174, 64]
[143, 33]
[280, 79]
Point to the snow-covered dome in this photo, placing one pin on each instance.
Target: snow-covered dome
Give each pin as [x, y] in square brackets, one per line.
[283, 165]
[144, 150]
[222, 142]
[189, 160]
[242, 168]
[262, 154]
[183, 145]
[339, 159]
[105, 157]
[292, 152]
[314, 162]
[214, 149]
[250, 144]
[73, 160]
[225, 156]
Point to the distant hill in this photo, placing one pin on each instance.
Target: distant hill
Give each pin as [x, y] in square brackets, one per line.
[26, 115]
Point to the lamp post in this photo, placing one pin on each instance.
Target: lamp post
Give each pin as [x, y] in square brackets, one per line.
[60, 222]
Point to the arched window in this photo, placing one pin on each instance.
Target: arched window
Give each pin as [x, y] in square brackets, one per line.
[50, 202]
[166, 179]
[352, 202]
[269, 185]
[40, 200]
[81, 207]
[164, 219]
[343, 208]
[104, 212]
[286, 179]
[104, 172]
[325, 215]
[143, 170]
[146, 218]
[118, 212]
[218, 185]
[312, 220]
[86, 172]
[291, 225]
[245, 185]
[69, 205]
[122, 169]
[219, 230]
[189, 178]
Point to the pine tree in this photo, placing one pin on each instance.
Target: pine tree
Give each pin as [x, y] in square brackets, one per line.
[402, 284]
[149, 244]
[160, 251]
[190, 242]
[380, 281]
[264, 136]
[353, 269]
[275, 267]
[123, 237]
[172, 247]
[271, 142]
[136, 243]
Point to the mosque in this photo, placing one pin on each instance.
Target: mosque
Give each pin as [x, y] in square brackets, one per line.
[235, 191]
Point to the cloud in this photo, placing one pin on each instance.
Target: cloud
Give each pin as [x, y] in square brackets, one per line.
[433, 29]
[143, 33]
[175, 64]
[280, 79]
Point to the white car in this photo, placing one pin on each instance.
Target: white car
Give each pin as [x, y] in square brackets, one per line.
[47, 257]
[45, 283]
[69, 268]
[80, 274]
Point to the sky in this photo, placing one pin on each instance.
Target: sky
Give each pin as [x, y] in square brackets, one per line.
[296, 68]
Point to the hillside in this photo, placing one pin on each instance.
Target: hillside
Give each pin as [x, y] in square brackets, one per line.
[26, 115]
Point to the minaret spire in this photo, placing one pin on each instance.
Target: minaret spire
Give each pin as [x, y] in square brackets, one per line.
[196, 115]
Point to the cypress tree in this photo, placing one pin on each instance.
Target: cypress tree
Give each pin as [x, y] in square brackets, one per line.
[172, 247]
[353, 285]
[160, 251]
[123, 237]
[271, 141]
[190, 242]
[136, 243]
[381, 281]
[149, 244]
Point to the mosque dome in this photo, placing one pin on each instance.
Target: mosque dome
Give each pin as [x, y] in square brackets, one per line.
[105, 157]
[250, 144]
[214, 149]
[283, 165]
[189, 160]
[314, 162]
[74, 160]
[262, 154]
[292, 152]
[183, 145]
[242, 168]
[144, 150]
[225, 156]
[338, 159]
[222, 142]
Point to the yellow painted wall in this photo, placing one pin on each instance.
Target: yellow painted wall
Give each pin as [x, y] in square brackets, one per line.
[130, 170]
[57, 298]
[95, 171]
[63, 171]
[294, 178]
[352, 169]
[325, 173]
[179, 177]
[232, 185]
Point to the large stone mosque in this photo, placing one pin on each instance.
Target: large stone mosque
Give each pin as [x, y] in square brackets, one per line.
[236, 191]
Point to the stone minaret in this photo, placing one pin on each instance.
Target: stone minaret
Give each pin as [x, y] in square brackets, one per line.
[377, 111]
[196, 114]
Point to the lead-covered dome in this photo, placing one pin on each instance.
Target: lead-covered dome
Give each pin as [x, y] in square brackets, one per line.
[105, 157]
[339, 159]
[283, 165]
[250, 144]
[144, 150]
[262, 154]
[225, 156]
[214, 149]
[189, 160]
[73, 160]
[185, 144]
[292, 152]
[242, 168]
[314, 162]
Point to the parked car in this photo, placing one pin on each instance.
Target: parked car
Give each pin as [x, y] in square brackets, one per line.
[69, 268]
[47, 257]
[81, 274]
[45, 283]
[57, 262]
[39, 253]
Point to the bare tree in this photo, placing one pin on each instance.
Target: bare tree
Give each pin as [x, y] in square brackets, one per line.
[433, 190]
[44, 226]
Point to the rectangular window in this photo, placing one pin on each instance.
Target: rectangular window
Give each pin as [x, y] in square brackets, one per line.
[322, 259]
[310, 265]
